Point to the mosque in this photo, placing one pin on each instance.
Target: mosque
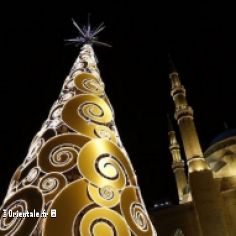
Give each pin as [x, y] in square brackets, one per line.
[206, 181]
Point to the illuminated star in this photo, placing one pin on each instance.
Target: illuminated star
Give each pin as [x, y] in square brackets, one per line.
[87, 35]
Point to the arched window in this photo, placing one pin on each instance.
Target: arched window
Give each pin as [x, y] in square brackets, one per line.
[178, 232]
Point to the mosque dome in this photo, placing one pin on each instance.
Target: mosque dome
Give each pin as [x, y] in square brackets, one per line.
[221, 154]
[224, 135]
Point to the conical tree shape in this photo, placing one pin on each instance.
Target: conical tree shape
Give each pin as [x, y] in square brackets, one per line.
[77, 166]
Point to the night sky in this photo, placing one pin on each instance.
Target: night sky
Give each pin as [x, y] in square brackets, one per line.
[35, 62]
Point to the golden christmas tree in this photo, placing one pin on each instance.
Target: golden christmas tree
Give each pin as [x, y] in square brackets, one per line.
[77, 178]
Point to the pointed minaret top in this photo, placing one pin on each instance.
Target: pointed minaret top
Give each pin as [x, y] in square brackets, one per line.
[172, 67]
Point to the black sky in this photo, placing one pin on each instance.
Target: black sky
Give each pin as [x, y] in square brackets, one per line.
[34, 63]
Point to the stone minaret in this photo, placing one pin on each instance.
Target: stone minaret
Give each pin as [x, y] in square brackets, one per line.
[77, 165]
[204, 189]
[178, 163]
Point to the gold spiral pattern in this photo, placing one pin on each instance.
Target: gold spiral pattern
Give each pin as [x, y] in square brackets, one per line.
[91, 111]
[108, 164]
[104, 132]
[139, 216]
[11, 224]
[106, 196]
[50, 184]
[83, 113]
[134, 213]
[62, 156]
[73, 198]
[103, 222]
[89, 84]
[60, 153]
[27, 199]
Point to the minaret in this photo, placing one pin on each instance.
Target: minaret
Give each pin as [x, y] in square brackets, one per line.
[184, 117]
[77, 167]
[178, 163]
[205, 191]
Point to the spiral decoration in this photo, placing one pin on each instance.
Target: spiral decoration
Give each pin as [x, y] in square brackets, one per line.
[104, 132]
[134, 213]
[60, 153]
[89, 84]
[11, 224]
[109, 165]
[139, 216]
[106, 196]
[73, 199]
[77, 166]
[50, 184]
[84, 112]
[103, 221]
[27, 199]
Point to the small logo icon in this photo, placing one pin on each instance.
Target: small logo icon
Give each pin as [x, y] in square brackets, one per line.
[4, 213]
[53, 213]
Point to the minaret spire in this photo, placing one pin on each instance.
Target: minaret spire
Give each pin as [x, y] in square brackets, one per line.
[200, 176]
[172, 67]
[184, 117]
[77, 165]
[178, 163]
